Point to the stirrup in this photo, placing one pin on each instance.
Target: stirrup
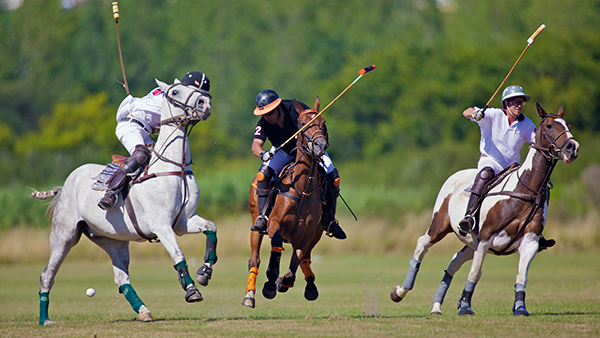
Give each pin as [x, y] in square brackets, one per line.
[334, 230]
[467, 223]
[260, 225]
[108, 201]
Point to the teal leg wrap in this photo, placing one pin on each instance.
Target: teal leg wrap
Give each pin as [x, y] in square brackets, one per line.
[131, 296]
[183, 274]
[211, 247]
[44, 303]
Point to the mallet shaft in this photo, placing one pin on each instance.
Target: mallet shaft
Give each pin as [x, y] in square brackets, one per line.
[360, 72]
[115, 7]
[529, 41]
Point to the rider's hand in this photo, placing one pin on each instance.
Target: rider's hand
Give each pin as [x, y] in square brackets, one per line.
[477, 114]
[266, 156]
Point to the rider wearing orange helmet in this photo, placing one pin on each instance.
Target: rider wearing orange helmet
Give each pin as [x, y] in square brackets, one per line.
[277, 123]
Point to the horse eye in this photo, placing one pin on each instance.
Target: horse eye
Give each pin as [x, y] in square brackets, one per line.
[549, 126]
[175, 92]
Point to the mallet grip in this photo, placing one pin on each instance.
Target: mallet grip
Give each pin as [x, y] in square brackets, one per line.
[115, 7]
[366, 70]
[535, 34]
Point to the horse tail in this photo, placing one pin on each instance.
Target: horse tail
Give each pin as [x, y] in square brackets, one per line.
[42, 195]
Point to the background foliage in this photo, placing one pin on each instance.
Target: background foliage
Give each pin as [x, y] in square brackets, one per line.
[395, 136]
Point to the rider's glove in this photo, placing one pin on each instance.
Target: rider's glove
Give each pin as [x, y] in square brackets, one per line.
[477, 114]
[266, 156]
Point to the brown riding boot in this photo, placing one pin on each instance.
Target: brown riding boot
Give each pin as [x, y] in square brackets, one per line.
[121, 177]
[482, 178]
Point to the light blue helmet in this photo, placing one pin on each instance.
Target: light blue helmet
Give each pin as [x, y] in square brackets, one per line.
[514, 91]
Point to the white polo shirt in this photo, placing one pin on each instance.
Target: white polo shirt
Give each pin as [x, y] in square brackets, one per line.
[502, 142]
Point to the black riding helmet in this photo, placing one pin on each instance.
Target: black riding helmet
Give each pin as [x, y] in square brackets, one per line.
[266, 101]
[198, 80]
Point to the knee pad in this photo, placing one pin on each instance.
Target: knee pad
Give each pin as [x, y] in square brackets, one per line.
[263, 180]
[486, 174]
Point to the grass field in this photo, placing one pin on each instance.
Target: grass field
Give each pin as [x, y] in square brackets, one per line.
[563, 296]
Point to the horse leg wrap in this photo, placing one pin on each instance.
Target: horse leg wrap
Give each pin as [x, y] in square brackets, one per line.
[44, 303]
[306, 270]
[252, 279]
[440, 294]
[274, 262]
[465, 299]
[184, 276]
[211, 247]
[519, 296]
[411, 275]
[131, 296]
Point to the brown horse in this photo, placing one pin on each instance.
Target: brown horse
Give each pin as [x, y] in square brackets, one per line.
[296, 213]
[511, 217]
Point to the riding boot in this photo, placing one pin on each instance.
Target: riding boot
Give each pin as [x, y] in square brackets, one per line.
[482, 178]
[121, 177]
[330, 225]
[545, 243]
[263, 189]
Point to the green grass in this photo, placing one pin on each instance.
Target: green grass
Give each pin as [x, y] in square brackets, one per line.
[562, 296]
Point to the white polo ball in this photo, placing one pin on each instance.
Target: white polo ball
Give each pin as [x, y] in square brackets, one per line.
[90, 292]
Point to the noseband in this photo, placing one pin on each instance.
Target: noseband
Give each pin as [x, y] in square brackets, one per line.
[191, 114]
[308, 148]
[553, 151]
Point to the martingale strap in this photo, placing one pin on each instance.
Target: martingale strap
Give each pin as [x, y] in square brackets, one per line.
[129, 206]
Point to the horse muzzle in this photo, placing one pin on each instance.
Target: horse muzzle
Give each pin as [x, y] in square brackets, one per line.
[570, 151]
[318, 146]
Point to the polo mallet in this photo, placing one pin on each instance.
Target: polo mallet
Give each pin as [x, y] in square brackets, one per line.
[360, 74]
[115, 8]
[529, 42]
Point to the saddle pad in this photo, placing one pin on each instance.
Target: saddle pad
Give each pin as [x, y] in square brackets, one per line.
[101, 179]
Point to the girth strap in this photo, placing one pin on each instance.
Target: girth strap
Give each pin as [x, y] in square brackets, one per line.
[129, 206]
[133, 219]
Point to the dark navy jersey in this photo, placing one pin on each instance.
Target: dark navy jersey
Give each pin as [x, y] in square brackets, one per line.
[276, 134]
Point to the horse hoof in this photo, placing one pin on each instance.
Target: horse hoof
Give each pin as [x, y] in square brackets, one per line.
[193, 295]
[269, 290]
[437, 309]
[48, 322]
[466, 311]
[311, 292]
[396, 292]
[249, 302]
[145, 317]
[521, 311]
[280, 286]
[203, 275]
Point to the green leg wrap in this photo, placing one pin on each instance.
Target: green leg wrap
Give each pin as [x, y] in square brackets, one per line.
[132, 297]
[211, 247]
[183, 274]
[44, 303]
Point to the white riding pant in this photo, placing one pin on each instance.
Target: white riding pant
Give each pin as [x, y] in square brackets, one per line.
[486, 161]
[281, 158]
[132, 134]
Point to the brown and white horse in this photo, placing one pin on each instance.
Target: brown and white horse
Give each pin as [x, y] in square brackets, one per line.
[296, 213]
[511, 217]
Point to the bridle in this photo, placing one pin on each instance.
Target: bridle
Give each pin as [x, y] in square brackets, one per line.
[553, 151]
[191, 115]
[308, 148]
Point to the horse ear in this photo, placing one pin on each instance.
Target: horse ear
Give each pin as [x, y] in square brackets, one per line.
[298, 106]
[561, 111]
[317, 104]
[163, 86]
[541, 112]
[176, 81]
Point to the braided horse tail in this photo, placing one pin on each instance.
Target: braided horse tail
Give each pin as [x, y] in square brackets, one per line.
[42, 195]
